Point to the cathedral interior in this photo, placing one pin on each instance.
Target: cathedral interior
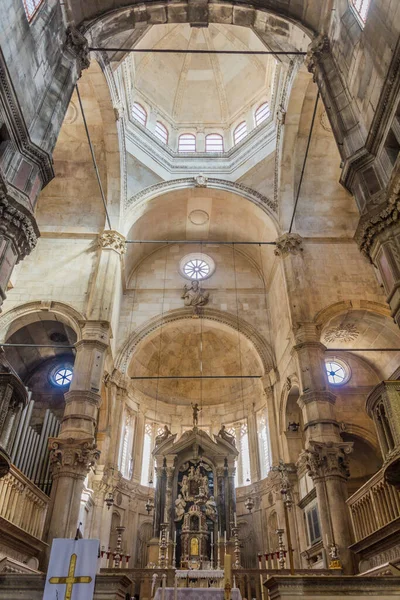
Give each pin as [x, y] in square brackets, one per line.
[200, 294]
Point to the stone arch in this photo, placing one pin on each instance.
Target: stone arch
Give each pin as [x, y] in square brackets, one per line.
[24, 314]
[294, 32]
[327, 313]
[261, 346]
[136, 202]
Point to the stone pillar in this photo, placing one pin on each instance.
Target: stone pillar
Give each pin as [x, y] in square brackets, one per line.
[327, 464]
[26, 151]
[200, 141]
[74, 452]
[108, 277]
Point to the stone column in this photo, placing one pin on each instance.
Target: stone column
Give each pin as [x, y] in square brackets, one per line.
[26, 150]
[74, 452]
[327, 464]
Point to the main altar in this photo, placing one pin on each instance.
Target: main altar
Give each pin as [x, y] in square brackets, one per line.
[194, 523]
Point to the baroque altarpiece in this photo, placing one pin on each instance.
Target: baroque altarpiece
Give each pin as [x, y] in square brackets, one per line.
[195, 499]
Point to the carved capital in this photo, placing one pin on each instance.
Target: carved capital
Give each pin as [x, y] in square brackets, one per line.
[112, 240]
[316, 49]
[326, 460]
[72, 456]
[17, 224]
[288, 243]
[77, 43]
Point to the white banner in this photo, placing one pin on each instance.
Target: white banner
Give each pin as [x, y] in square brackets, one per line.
[72, 570]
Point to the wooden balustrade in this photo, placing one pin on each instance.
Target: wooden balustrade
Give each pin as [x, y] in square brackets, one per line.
[373, 506]
[22, 503]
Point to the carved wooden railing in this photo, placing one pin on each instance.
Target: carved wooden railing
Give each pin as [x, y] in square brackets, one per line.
[22, 503]
[373, 506]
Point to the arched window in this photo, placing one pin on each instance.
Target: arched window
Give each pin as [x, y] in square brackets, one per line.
[361, 7]
[240, 132]
[125, 450]
[187, 142]
[239, 430]
[264, 445]
[214, 142]
[139, 113]
[151, 430]
[161, 132]
[262, 113]
[31, 8]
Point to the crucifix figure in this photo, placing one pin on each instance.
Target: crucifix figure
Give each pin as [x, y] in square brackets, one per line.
[70, 580]
[196, 411]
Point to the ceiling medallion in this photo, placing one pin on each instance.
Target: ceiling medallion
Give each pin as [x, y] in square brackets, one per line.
[71, 114]
[198, 217]
[342, 333]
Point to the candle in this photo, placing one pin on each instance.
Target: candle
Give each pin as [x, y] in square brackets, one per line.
[235, 520]
[160, 535]
[175, 536]
[212, 538]
[228, 569]
[225, 537]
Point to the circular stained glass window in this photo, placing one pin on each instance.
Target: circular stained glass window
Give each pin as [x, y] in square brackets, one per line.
[337, 372]
[62, 376]
[196, 269]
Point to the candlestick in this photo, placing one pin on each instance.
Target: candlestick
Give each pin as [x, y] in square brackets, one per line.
[225, 537]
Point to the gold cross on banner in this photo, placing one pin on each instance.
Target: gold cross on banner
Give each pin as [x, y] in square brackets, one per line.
[70, 580]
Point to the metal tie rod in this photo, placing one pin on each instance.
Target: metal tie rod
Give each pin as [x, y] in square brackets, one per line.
[35, 346]
[363, 350]
[188, 51]
[204, 242]
[200, 377]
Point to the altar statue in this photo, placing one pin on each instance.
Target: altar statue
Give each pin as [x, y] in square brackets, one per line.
[185, 487]
[228, 437]
[211, 508]
[204, 483]
[163, 436]
[180, 504]
[196, 411]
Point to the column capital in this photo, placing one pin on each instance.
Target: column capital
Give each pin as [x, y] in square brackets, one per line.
[72, 457]
[326, 460]
[288, 243]
[112, 240]
[318, 46]
[78, 45]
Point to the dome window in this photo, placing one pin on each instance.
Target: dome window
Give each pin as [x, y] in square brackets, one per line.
[62, 376]
[31, 8]
[240, 132]
[262, 113]
[161, 132]
[214, 142]
[139, 114]
[187, 142]
[361, 8]
[338, 372]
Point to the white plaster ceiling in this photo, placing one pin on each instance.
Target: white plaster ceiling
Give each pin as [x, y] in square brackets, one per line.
[192, 89]
[183, 348]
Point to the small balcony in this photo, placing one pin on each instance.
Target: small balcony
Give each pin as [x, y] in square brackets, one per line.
[375, 514]
[23, 509]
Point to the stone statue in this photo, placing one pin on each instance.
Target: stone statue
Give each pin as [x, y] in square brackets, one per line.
[196, 411]
[180, 504]
[211, 508]
[194, 296]
[163, 436]
[185, 487]
[228, 437]
[204, 483]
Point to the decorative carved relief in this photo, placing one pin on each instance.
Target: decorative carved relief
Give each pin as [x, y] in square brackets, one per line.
[200, 180]
[112, 240]
[342, 333]
[288, 243]
[73, 455]
[17, 225]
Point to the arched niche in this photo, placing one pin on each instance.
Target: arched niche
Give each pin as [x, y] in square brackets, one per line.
[293, 425]
[364, 461]
[144, 536]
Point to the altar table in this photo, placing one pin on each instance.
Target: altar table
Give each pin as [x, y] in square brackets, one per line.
[195, 594]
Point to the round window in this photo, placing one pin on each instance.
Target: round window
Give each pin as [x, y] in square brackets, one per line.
[338, 372]
[62, 376]
[197, 266]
